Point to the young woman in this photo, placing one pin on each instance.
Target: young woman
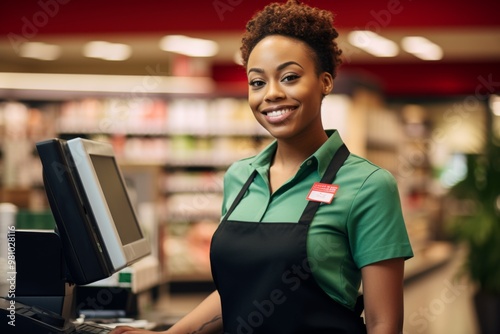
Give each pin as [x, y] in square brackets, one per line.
[304, 222]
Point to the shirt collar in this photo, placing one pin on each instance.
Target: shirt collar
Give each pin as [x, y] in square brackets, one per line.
[323, 155]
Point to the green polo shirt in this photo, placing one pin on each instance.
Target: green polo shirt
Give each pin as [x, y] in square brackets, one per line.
[362, 225]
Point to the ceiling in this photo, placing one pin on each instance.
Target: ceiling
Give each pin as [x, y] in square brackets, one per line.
[468, 32]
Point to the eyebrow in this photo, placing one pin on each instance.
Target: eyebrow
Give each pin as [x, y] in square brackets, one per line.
[279, 68]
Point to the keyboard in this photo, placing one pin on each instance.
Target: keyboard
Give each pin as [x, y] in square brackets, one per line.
[90, 328]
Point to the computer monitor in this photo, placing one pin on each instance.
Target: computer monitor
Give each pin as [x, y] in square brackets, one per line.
[95, 218]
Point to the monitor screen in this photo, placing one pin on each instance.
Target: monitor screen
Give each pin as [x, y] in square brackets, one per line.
[116, 197]
[94, 216]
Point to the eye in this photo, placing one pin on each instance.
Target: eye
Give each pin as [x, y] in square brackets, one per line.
[290, 77]
[256, 83]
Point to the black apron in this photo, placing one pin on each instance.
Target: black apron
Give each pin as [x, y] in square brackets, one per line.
[265, 280]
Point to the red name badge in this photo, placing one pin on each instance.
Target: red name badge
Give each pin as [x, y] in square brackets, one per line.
[322, 192]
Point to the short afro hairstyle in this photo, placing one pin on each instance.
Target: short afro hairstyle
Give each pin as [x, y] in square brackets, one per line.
[294, 19]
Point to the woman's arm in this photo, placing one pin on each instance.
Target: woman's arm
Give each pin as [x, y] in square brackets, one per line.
[383, 296]
[206, 318]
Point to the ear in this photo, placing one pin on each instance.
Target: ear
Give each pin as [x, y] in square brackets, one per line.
[327, 83]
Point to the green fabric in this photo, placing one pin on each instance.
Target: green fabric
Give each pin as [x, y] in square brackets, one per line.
[363, 224]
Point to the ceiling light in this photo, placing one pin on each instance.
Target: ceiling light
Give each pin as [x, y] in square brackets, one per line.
[372, 43]
[107, 51]
[193, 47]
[39, 50]
[495, 104]
[422, 48]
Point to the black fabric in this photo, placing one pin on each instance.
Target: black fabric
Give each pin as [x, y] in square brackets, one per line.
[335, 164]
[265, 279]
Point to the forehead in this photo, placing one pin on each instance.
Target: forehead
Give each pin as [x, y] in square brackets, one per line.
[276, 49]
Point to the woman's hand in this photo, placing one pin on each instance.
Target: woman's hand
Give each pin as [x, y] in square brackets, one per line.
[204, 319]
[131, 330]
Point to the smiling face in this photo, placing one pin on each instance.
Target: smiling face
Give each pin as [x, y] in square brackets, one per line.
[285, 89]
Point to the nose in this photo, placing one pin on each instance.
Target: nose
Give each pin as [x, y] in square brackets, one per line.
[274, 91]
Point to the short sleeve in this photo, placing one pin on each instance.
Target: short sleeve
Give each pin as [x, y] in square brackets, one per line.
[376, 226]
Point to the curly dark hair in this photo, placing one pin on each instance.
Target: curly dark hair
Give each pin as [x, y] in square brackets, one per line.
[300, 21]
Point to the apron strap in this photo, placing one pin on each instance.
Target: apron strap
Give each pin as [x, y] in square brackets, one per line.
[337, 161]
[240, 194]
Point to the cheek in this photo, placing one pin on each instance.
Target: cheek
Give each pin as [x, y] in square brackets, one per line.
[308, 94]
[253, 101]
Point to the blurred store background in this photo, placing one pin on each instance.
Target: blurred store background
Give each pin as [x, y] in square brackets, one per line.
[418, 93]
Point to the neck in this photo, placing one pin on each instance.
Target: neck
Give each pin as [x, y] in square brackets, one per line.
[291, 153]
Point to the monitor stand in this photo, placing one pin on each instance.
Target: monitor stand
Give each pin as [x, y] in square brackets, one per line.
[41, 278]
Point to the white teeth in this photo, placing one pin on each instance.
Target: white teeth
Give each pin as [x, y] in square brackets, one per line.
[277, 113]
